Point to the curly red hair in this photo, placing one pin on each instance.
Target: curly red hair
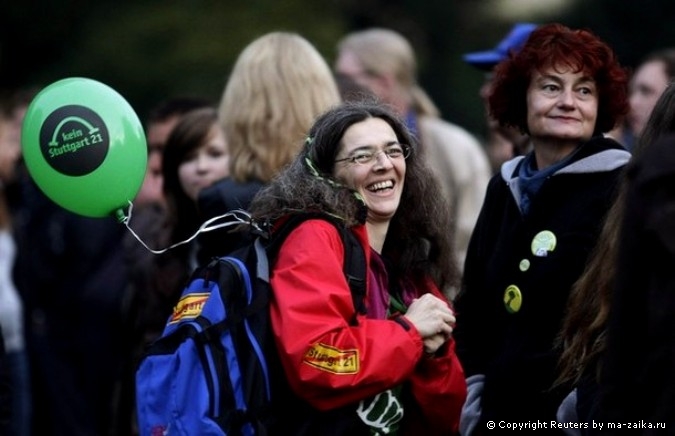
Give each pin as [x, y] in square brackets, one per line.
[555, 45]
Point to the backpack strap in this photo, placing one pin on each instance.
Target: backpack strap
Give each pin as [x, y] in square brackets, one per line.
[354, 262]
[355, 269]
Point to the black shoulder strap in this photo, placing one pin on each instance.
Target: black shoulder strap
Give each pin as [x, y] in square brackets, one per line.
[355, 259]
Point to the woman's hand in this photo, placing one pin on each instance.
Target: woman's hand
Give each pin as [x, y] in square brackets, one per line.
[433, 319]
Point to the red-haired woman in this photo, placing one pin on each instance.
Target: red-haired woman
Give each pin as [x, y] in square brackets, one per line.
[539, 221]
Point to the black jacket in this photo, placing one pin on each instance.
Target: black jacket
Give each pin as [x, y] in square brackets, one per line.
[638, 375]
[222, 197]
[512, 300]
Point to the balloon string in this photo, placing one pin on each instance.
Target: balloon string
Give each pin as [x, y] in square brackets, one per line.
[235, 217]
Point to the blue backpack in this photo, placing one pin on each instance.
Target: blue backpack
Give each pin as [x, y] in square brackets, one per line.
[215, 368]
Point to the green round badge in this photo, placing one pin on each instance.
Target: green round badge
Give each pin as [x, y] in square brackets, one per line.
[543, 243]
[513, 299]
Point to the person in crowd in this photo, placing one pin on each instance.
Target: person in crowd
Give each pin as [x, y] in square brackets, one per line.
[160, 121]
[638, 388]
[643, 314]
[147, 220]
[279, 84]
[542, 215]
[149, 206]
[502, 142]
[70, 273]
[360, 165]
[583, 337]
[652, 76]
[16, 362]
[351, 90]
[17, 101]
[73, 277]
[383, 61]
[194, 157]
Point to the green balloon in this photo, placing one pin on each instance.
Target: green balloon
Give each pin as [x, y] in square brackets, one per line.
[84, 147]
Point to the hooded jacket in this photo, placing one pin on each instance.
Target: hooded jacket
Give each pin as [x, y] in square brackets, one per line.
[517, 278]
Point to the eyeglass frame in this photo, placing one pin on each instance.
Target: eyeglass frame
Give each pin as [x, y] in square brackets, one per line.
[372, 155]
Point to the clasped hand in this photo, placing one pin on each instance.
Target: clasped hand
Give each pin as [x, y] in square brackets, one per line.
[433, 319]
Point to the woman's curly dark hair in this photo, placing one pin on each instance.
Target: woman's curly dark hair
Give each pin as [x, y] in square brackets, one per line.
[419, 237]
[554, 45]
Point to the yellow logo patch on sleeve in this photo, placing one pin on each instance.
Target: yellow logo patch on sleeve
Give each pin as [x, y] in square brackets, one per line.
[332, 359]
[188, 307]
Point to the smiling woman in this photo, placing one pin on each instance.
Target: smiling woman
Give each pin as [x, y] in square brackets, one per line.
[377, 176]
[540, 218]
[357, 166]
[563, 108]
[195, 157]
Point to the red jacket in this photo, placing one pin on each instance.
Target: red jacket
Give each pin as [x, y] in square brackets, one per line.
[330, 363]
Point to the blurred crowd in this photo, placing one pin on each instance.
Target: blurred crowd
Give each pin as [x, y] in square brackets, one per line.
[81, 298]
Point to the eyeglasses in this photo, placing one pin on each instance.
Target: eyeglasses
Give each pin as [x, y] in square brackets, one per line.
[365, 156]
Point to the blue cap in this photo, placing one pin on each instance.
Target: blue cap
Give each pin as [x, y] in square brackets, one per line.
[514, 41]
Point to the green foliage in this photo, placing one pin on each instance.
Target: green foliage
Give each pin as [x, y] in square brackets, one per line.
[149, 49]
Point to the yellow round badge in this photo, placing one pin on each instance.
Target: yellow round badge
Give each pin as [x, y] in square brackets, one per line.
[513, 299]
[543, 242]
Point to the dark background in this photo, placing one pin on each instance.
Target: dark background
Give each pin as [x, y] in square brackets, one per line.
[148, 49]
